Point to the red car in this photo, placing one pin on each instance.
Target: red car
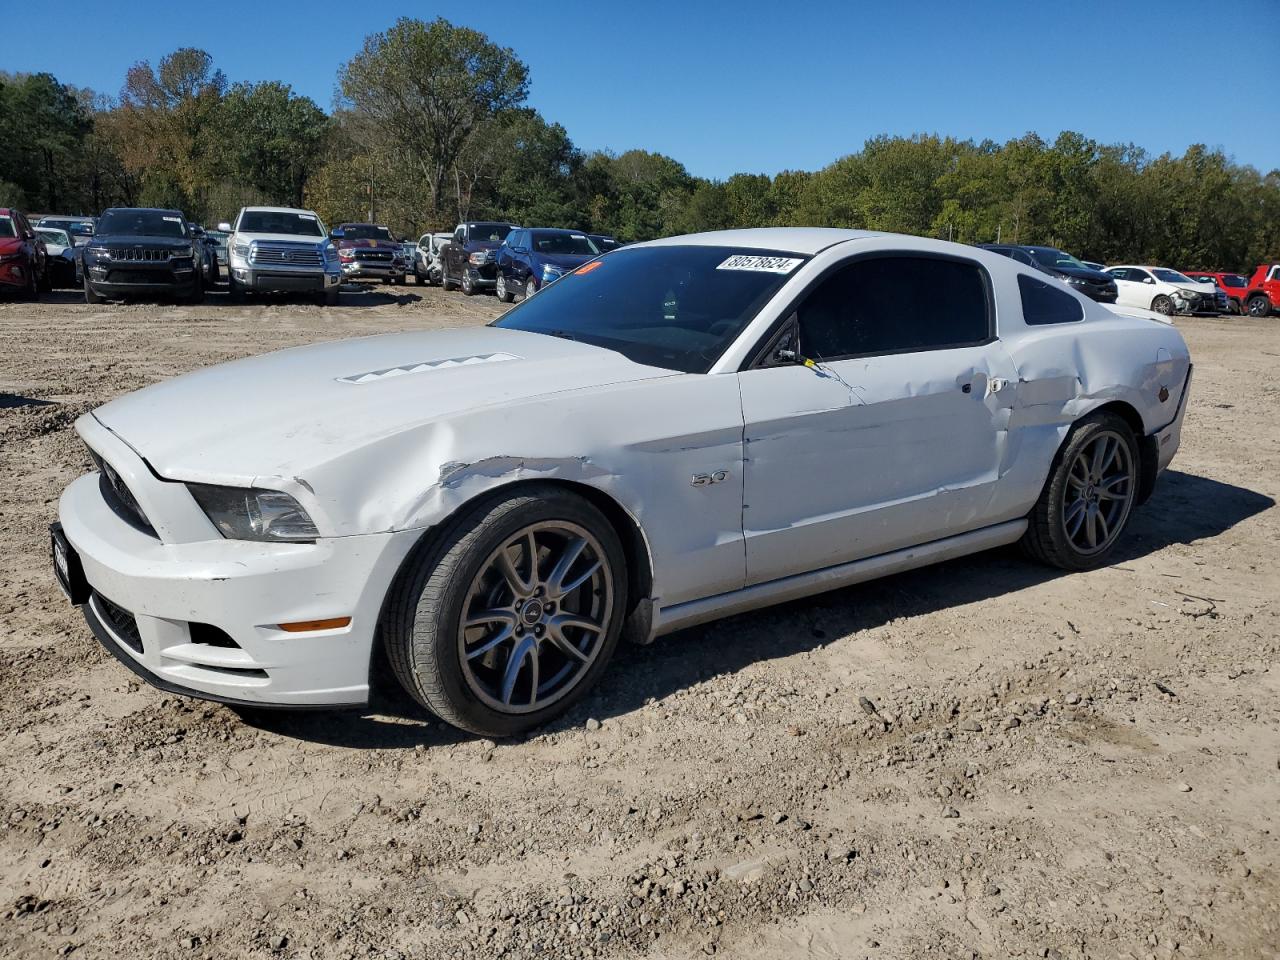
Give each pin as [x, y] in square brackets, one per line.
[1232, 284]
[24, 262]
[1262, 298]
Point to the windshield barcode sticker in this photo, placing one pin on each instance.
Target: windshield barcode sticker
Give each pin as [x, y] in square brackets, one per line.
[763, 264]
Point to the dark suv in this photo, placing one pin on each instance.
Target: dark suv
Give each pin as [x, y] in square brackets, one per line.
[1094, 284]
[469, 258]
[142, 252]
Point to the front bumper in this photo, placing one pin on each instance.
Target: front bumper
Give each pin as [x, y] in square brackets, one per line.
[485, 276]
[114, 281]
[286, 279]
[1169, 438]
[153, 601]
[13, 273]
[372, 270]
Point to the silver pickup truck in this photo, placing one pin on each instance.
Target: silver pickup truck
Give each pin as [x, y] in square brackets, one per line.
[282, 249]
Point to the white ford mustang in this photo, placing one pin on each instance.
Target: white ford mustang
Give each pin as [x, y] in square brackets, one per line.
[673, 432]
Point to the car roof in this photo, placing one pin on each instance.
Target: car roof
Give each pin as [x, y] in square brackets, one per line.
[802, 240]
[280, 210]
[362, 223]
[175, 213]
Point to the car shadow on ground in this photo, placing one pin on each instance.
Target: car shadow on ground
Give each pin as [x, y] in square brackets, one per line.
[1184, 509]
[9, 401]
[351, 295]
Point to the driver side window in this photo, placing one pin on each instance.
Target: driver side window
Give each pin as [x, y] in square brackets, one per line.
[896, 304]
[460, 235]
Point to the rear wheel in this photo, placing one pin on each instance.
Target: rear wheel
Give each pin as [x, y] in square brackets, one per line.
[512, 615]
[1162, 304]
[1088, 497]
[1259, 306]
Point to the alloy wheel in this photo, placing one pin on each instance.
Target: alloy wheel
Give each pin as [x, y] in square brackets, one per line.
[1100, 489]
[535, 617]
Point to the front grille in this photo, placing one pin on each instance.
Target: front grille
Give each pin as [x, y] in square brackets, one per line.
[139, 255]
[139, 276]
[381, 256]
[295, 254]
[121, 621]
[119, 497]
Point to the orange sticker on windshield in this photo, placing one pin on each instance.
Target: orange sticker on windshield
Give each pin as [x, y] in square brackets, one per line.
[588, 267]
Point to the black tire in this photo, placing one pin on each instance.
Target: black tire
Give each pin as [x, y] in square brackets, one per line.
[500, 289]
[1234, 308]
[46, 278]
[235, 290]
[446, 281]
[468, 285]
[424, 611]
[1047, 537]
[330, 296]
[1259, 306]
[197, 292]
[530, 288]
[1162, 304]
[90, 295]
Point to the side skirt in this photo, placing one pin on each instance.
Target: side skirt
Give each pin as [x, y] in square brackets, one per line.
[694, 612]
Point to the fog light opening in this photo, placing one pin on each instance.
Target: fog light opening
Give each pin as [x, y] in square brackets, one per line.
[308, 626]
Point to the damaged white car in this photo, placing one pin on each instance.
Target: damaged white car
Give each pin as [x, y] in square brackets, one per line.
[673, 432]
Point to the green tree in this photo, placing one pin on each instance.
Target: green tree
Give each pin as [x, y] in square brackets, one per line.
[427, 86]
[273, 139]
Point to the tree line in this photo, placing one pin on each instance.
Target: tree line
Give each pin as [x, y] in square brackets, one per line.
[431, 126]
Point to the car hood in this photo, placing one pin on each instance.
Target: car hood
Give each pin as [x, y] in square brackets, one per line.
[280, 414]
[141, 240]
[247, 237]
[566, 260]
[1093, 276]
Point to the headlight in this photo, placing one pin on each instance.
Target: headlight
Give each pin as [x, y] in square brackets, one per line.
[6, 257]
[330, 251]
[102, 253]
[241, 250]
[1077, 281]
[551, 272]
[252, 514]
[480, 258]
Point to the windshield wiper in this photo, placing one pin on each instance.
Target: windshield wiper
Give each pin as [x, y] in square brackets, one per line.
[562, 334]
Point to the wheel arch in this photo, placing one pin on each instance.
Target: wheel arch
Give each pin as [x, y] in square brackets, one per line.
[635, 546]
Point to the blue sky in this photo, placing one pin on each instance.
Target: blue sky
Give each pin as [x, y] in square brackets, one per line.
[755, 86]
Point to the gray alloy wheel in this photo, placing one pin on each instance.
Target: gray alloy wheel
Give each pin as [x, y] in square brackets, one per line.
[1259, 306]
[468, 285]
[1088, 496]
[1101, 483]
[500, 288]
[510, 613]
[535, 617]
[530, 288]
[1162, 304]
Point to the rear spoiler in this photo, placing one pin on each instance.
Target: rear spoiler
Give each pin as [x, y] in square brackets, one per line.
[1138, 312]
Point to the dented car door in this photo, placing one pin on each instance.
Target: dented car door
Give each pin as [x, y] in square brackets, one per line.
[888, 429]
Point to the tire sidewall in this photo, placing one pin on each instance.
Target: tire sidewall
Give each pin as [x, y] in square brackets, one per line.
[433, 628]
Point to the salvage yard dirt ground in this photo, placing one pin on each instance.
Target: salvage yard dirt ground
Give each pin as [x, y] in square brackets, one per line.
[982, 759]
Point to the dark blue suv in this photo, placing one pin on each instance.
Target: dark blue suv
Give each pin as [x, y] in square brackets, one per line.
[531, 257]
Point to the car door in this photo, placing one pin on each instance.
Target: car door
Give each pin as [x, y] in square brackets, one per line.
[1129, 291]
[893, 435]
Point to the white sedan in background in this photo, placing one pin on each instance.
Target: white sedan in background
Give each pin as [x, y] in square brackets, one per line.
[1165, 291]
[673, 432]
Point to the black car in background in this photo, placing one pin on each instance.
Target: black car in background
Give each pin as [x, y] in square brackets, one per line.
[143, 252]
[469, 258]
[1094, 284]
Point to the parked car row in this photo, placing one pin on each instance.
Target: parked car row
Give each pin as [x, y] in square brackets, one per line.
[1161, 289]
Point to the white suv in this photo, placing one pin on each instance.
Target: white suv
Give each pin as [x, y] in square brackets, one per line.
[280, 248]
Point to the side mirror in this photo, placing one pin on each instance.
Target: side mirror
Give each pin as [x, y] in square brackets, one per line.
[336, 235]
[1147, 280]
[224, 227]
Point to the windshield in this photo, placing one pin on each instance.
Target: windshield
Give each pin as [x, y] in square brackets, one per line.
[281, 221]
[668, 306]
[365, 231]
[1058, 259]
[6, 228]
[605, 243]
[571, 244]
[1170, 276]
[141, 223]
[74, 228]
[57, 237]
[489, 232]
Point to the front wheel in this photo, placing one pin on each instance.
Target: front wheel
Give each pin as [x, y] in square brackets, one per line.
[90, 295]
[446, 281]
[1088, 497]
[331, 296]
[500, 288]
[512, 615]
[1259, 306]
[468, 285]
[1162, 304]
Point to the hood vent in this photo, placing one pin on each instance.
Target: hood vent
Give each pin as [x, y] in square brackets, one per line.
[426, 366]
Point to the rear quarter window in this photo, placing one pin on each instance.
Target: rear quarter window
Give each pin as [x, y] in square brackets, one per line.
[1043, 303]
